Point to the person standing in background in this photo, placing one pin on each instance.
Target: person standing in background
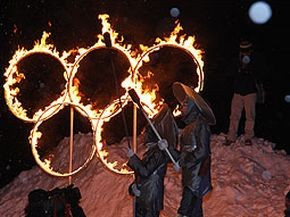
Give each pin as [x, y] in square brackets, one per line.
[246, 83]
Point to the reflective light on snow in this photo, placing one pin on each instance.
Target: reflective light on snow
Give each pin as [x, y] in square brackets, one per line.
[260, 12]
[247, 181]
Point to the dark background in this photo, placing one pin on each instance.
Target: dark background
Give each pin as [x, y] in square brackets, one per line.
[217, 25]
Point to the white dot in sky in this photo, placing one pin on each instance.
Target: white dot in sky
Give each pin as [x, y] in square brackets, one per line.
[287, 98]
[174, 12]
[260, 12]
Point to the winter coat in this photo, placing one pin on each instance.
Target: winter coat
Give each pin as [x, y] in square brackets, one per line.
[150, 173]
[195, 157]
[248, 76]
[244, 84]
[151, 170]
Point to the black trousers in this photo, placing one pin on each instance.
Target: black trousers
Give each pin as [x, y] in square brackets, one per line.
[190, 204]
[142, 212]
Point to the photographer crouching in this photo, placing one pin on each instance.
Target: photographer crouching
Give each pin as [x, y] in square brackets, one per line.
[59, 202]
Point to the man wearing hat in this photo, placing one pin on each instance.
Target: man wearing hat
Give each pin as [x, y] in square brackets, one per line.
[195, 149]
[245, 95]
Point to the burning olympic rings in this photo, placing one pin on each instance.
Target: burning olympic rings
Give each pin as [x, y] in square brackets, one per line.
[35, 135]
[69, 96]
[197, 61]
[13, 77]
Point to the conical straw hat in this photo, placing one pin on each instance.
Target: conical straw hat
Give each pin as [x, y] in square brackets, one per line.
[180, 91]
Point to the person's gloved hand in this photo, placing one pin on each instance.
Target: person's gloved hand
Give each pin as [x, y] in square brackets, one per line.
[130, 153]
[177, 167]
[189, 148]
[135, 190]
[162, 144]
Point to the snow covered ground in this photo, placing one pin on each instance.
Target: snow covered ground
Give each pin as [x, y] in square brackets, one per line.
[248, 181]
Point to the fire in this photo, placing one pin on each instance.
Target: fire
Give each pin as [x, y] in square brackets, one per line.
[35, 135]
[71, 96]
[103, 154]
[116, 44]
[147, 97]
[135, 80]
[14, 77]
[183, 42]
[176, 111]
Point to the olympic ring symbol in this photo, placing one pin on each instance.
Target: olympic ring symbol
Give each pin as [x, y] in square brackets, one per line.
[70, 83]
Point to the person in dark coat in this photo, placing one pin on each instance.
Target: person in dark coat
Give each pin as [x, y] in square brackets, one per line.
[195, 149]
[148, 186]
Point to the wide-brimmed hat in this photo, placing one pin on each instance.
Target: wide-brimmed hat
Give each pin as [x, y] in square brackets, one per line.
[245, 44]
[181, 91]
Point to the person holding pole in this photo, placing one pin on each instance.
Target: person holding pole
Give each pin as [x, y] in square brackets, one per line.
[195, 149]
[148, 186]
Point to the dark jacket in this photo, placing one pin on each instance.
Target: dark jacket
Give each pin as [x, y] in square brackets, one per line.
[249, 75]
[195, 157]
[245, 83]
[151, 170]
[150, 173]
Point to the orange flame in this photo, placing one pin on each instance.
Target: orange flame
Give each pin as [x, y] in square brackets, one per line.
[97, 117]
[35, 135]
[13, 77]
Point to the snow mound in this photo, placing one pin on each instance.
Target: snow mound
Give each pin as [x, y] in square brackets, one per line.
[247, 181]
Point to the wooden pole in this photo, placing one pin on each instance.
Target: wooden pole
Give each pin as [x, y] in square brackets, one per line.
[135, 149]
[71, 143]
[134, 143]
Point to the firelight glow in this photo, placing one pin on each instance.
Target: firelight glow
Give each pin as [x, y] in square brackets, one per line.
[72, 97]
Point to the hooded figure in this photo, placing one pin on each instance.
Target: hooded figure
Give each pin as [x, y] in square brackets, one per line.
[148, 186]
[195, 149]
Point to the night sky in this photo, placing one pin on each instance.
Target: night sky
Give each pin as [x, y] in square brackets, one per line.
[217, 25]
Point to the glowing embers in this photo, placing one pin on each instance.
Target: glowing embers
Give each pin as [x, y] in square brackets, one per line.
[34, 80]
[46, 136]
[96, 80]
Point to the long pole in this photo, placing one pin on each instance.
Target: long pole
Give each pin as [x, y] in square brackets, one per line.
[135, 149]
[157, 134]
[134, 96]
[71, 143]
[134, 143]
